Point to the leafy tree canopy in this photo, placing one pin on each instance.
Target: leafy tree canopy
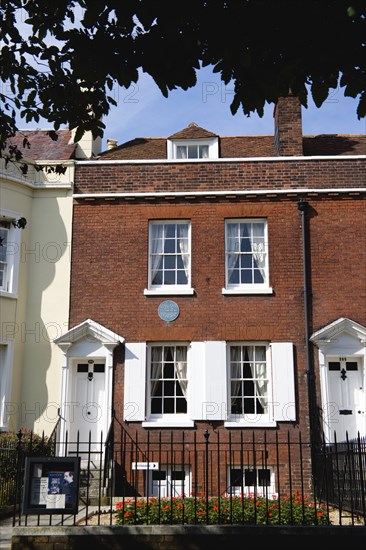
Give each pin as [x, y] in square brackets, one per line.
[64, 69]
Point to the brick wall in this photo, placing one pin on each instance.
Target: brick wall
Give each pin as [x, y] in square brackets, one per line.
[110, 262]
[220, 176]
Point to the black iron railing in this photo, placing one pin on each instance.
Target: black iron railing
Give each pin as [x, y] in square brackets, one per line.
[201, 476]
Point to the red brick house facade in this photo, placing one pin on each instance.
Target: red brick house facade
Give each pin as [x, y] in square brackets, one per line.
[218, 283]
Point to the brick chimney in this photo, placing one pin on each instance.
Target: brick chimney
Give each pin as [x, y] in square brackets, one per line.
[88, 147]
[288, 127]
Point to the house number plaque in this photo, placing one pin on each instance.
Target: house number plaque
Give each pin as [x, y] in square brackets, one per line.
[168, 310]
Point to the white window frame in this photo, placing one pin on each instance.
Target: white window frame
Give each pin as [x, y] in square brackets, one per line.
[10, 286]
[246, 419]
[211, 143]
[161, 419]
[173, 289]
[247, 288]
[169, 487]
[238, 490]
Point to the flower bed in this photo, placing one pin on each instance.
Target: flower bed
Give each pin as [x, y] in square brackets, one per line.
[234, 510]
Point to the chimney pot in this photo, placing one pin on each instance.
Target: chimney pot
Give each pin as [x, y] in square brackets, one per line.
[111, 143]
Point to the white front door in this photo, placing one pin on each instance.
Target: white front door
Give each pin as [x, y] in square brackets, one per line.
[88, 407]
[346, 407]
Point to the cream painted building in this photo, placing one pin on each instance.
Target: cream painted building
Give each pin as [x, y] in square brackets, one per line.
[35, 280]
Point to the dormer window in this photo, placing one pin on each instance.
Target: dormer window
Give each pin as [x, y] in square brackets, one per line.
[193, 143]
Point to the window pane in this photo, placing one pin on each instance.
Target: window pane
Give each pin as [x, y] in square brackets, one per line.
[236, 477]
[156, 354]
[169, 229]
[246, 277]
[236, 389]
[169, 388]
[248, 388]
[169, 406]
[258, 277]
[182, 231]
[203, 151]
[249, 406]
[334, 365]
[156, 371]
[181, 278]
[169, 262]
[178, 475]
[157, 388]
[351, 365]
[250, 477]
[181, 152]
[156, 406]
[236, 370]
[258, 229]
[82, 367]
[158, 475]
[180, 264]
[234, 277]
[264, 478]
[245, 245]
[192, 151]
[181, 406]
[246, 261]
[98, 368]
[168, 370]
[236, 406]
[158, 278]
[169, 246]
[169, 277]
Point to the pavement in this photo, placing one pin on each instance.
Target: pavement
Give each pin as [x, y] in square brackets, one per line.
[6, 529]
[6, 523]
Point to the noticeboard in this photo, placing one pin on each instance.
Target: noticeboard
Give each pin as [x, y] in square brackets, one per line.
[51, 485]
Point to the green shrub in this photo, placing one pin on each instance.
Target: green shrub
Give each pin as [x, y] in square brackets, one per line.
[295, 510]
[31, 445]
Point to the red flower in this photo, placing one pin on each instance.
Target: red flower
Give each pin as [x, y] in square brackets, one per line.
[118, 505]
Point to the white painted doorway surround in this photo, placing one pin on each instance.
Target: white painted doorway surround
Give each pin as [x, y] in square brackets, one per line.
[86, 387]
[342, 361]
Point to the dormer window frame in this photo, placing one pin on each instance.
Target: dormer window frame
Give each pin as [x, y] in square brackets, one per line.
[211, 143]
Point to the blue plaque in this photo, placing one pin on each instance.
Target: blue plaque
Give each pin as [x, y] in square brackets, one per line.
[168, 310]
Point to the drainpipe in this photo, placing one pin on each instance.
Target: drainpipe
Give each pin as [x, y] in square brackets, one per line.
[302, 207]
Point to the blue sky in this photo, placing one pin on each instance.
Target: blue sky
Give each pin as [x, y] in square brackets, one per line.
[142, 111]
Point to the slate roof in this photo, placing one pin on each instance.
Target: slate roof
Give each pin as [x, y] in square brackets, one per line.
[42, 147]
[237, 146]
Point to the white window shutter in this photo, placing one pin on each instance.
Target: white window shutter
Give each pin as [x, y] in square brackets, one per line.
[216, 381]
[283, 381]
[207, 381]
[135, 382]
[196, 380]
